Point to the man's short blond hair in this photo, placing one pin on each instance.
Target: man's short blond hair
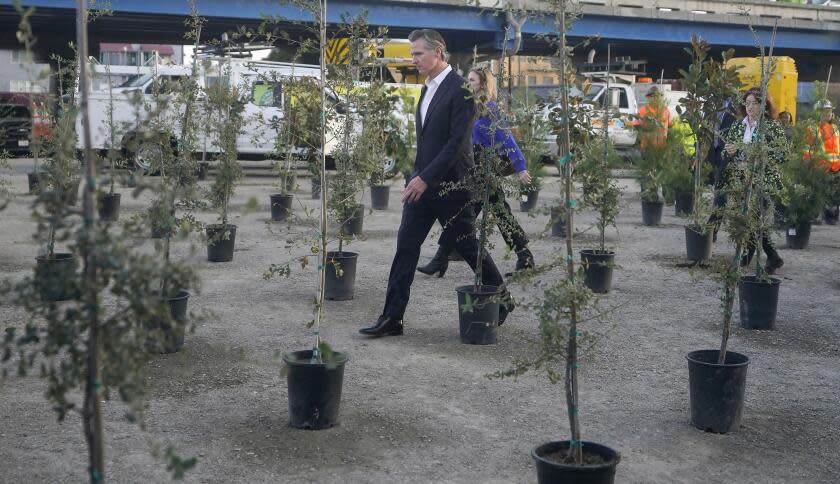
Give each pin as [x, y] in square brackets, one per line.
[432, 39]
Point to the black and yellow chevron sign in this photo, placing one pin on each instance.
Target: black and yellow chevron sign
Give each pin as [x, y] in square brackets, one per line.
[337, 51]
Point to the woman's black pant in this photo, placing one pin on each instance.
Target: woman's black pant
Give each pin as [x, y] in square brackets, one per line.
[512, 232]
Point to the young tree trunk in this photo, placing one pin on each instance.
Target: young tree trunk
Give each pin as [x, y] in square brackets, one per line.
[322, 227]
[92, 412]
[111, 128]
[575, 448]
[482, 230]
[604, 163]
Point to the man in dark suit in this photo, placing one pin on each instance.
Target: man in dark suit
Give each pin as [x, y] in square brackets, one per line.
[444, 121]
[719, 162]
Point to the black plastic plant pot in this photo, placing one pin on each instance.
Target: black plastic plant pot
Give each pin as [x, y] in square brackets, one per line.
[799, 236]
[598, 269]
[652, 212]
[552, 468]
[109, 207]
[478, 320]
[201, 171]
[172, 339]
[716, 391]
[379, 195]
[340, 276]
[220, 241]
[355, 221]
[830, 215]
[758, 301]
[698, 245]
[34, 182]
[528, 200]
[281, 206]
[55, 278]
[314, 389]
[316, 188]
[558, 222]
[683, 204]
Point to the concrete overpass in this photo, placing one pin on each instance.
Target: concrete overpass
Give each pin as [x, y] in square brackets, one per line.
[657, 30]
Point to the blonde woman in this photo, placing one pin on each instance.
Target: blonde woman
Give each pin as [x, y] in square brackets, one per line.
[487, 132]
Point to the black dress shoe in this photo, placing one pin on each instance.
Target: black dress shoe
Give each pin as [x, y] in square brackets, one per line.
[384, 326]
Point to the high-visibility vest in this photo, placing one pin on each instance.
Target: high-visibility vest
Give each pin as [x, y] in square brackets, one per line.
[829, 135]
[41, 127]
[654, 136]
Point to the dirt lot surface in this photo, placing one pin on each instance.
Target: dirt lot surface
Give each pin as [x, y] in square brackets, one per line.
[417, 408]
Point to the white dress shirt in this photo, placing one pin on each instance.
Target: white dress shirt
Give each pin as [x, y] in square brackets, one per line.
[748, 130]
[431, 88]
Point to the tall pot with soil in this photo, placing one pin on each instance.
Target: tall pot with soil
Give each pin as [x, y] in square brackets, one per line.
[229, 102]
[603, 195]
[717, 377]
[565, 307]
[315, 376]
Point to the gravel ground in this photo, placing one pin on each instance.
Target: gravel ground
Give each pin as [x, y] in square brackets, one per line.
[417, 408]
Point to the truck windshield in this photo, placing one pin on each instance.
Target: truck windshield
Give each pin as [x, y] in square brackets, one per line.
[137, 80]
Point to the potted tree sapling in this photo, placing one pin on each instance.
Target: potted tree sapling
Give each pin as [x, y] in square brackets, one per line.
[286, 146]
[531, 140]
[565, 308]
[229, 103]
[315, 376]
[179, 188]
[677, 180]
[711, 91]
[76, 343]
[109, 202]
[376, 108]
[38, 107]
[717, 378]
[758, 294]
[479, 304]
[603, 195]
[58, 184]
[806, 183]
[653, 153]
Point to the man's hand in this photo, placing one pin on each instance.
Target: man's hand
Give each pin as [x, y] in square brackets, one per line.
[414, 190]
[524, 177]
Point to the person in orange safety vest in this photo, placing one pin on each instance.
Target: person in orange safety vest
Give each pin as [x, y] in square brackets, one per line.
[654, 119]
[827, 134]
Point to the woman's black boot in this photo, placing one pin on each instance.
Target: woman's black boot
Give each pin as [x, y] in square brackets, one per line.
[438, 264]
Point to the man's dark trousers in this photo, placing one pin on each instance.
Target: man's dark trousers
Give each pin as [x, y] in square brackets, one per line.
[453, 213]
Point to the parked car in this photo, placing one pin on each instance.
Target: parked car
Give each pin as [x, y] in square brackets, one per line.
[15, 128]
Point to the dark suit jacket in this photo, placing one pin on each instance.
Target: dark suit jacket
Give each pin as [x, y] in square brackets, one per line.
[716, 156]
[444, 144]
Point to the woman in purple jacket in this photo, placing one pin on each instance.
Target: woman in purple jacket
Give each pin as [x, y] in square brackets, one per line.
[488, 132]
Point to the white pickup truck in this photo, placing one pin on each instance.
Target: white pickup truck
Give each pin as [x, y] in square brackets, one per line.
[624, 102]
[262, 112]
[623, 106]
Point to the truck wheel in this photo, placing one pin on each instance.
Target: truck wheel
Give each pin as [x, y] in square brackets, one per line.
[145, 155]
